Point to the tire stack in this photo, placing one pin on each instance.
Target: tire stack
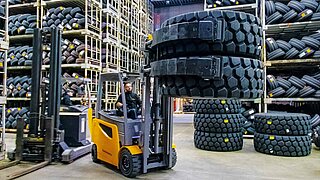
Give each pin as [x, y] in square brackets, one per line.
[301, 48]
[76, 86]
[73, 52]
[13, 114]
[218, 125]
[223, 3]
[22, 24]
[19, 86]
[20, 56]
[248, 125]
[234, 45]
[283, 134]
[292, 86]
[66, 18]
[293, 11]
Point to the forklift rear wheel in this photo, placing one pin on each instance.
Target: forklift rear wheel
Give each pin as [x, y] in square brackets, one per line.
[130, 165]
[94, 154]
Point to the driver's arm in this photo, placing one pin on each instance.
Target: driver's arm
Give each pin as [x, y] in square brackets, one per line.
[119, 102]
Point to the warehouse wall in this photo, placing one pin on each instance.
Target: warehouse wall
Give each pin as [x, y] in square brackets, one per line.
[161, 14]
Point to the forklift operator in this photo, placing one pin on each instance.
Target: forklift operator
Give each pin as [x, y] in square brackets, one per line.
[133, 102]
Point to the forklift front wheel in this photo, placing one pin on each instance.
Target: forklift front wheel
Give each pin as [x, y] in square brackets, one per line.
[174, 158]
[129, 165]
[94, 154]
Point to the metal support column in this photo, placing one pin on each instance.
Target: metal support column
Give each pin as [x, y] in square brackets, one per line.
[146, 124]
[168, 125]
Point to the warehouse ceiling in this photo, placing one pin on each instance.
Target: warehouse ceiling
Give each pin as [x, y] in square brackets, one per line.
[163, 3]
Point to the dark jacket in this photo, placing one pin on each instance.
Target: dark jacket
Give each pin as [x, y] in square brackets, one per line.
[132, 99]
[66, 100]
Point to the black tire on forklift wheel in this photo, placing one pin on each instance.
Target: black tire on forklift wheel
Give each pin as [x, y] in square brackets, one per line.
[174, 158]
[94, 154]
[133, 163]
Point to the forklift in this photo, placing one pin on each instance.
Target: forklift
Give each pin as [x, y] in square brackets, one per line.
[134, 145]
[55, 133]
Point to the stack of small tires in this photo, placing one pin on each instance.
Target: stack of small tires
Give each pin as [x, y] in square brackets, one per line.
[248, 125]
[218, 125]
[283, 134]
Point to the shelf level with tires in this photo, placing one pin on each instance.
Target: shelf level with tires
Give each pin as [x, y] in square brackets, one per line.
[291, 49]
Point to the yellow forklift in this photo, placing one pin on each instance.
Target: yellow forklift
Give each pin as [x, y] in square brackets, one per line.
[136, 145]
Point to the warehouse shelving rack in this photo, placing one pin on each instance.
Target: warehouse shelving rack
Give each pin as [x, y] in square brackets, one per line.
[4, 46]
[126, 29]
[90, 35]
[287, 31]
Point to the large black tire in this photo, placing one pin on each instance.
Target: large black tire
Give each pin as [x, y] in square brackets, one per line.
[238, 34]
[241, 78]
[218, 141]
[217, 106]
[291, 146]
[129, 165]
[218, 123]
[288, 124]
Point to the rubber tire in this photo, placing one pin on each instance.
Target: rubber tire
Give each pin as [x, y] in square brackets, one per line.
[297, 6]
[313, 5]
[217, 106]
[285, 46]
[292, 92]
[299, 45]
[298, 83]
[315, 121]
[274, 18]
[311, 42]
[284, 83]
[282, 8]
[218, 123]
[278, 92]
[306, 91]
[242, 37]
[312, 82]
[276, 54]
[289, 16]
[290, 146]
[287, 124]
[218, 141]
[94, 154]
[135, 164]
[232, 84]
[292, 53]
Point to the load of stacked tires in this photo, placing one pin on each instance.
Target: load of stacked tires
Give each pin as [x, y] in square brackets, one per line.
[293, 86]
[214, 55]
[283, 134]
[294, 48]
[218, 125]
[292, 11]
[19, 86]
[21, 24]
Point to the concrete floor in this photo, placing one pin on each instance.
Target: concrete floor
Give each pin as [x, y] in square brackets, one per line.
[194, 163]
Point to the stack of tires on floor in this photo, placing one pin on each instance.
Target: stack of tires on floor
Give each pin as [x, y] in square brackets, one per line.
[283, 134]
[218, 125]
[211, 54]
